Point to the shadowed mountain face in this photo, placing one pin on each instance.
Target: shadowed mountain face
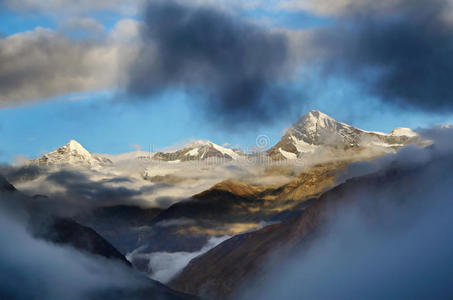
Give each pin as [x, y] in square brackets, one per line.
[68, 232]
[62, 231]
[155, 290]
[222, 271]
[121, 225]
[5, 186]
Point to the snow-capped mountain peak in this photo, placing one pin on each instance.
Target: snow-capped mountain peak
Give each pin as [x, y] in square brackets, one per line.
[75, 147]
[316, 130]
[315, 119]
[198, 150]
[73, 153]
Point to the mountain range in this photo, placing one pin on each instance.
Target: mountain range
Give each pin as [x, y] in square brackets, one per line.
[315, 133]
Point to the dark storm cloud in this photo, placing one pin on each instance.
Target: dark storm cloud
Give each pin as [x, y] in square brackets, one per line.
[232, 65]
[399, 50]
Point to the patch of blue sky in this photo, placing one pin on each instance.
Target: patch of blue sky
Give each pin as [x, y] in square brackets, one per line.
[12, 22]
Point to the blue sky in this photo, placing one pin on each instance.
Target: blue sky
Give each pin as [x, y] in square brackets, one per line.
[107, 123]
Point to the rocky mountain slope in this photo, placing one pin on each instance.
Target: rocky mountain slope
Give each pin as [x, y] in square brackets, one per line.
[316, 132]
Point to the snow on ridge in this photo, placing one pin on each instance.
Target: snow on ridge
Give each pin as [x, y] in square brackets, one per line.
[319, 118]
[403, 132]
[193, 152]
[206, 143]
[302, 146]
[226, 151]
[287, 155]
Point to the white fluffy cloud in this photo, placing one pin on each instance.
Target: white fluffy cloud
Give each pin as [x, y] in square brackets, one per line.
[44, 63]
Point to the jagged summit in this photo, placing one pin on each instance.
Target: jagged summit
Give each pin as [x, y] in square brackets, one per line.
[73, 153]
[199, 150]
[316, 130]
